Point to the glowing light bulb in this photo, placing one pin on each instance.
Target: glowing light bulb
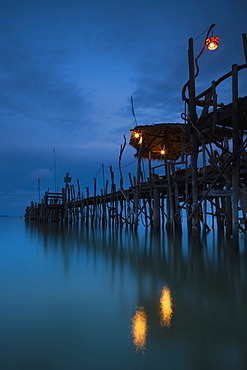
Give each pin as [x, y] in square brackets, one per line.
[212, 43]
[162, 152]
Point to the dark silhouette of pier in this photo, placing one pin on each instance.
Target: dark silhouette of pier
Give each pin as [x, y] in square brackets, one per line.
[213, 134]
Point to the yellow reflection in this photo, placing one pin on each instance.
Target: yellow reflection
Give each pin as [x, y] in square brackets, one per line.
[139, 329]
[165, 307]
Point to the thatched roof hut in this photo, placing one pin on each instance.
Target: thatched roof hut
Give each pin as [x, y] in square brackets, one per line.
[170, 140]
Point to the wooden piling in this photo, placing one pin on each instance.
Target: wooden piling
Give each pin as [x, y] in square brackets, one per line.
[235, 163]
[195, 140]
[156, 212]
[177, 216]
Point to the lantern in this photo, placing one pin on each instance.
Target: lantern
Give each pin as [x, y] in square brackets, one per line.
[212, 43]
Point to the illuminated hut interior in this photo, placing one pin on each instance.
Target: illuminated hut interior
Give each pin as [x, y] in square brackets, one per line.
[161, 141]
[171, 141]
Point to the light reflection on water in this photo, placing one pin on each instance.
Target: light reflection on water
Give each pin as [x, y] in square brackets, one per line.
[166, 307]
[139, 329]
[69, 294]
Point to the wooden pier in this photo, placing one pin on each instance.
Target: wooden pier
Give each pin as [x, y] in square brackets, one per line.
[205, 170]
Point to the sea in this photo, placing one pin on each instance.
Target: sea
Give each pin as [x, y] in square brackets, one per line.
[92, 298]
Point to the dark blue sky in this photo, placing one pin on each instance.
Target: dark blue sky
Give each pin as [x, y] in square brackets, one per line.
[69, 67]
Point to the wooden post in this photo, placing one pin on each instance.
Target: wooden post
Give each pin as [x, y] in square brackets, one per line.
[170, 203]
[214, 97]
[195, 140]
[228, 206]
[87, 206]
[82, 204]
[93, 218]
[235, 164]
[122, 147]
[204, 213]
[116, 197]
[187, 195]
[70, 204]
[138, 173]
[137, 190]
[131, 181]
[177, 217]
[245, 46]
[150, 205]
[156, 213]
[218, 215]
[163, 211]
[128, 215]
[106, 198]
[149, 164]
[79, 189]
[103, 207]
[63, 204]
[72, 209]
[112, 205]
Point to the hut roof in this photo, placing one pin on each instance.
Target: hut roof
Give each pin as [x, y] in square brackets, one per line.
[173, 138]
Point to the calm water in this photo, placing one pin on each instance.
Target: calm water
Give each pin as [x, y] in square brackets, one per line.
[76, 299]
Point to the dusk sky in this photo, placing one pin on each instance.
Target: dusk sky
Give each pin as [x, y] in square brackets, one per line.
[68, 69]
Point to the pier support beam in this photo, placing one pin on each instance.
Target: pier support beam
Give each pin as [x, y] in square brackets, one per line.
[156, 211]
[195, 141]
[235, 164]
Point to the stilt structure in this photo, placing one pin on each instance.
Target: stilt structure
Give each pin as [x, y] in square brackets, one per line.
[204, 162]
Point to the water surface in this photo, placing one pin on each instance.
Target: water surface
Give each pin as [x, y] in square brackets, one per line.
[76, 298]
